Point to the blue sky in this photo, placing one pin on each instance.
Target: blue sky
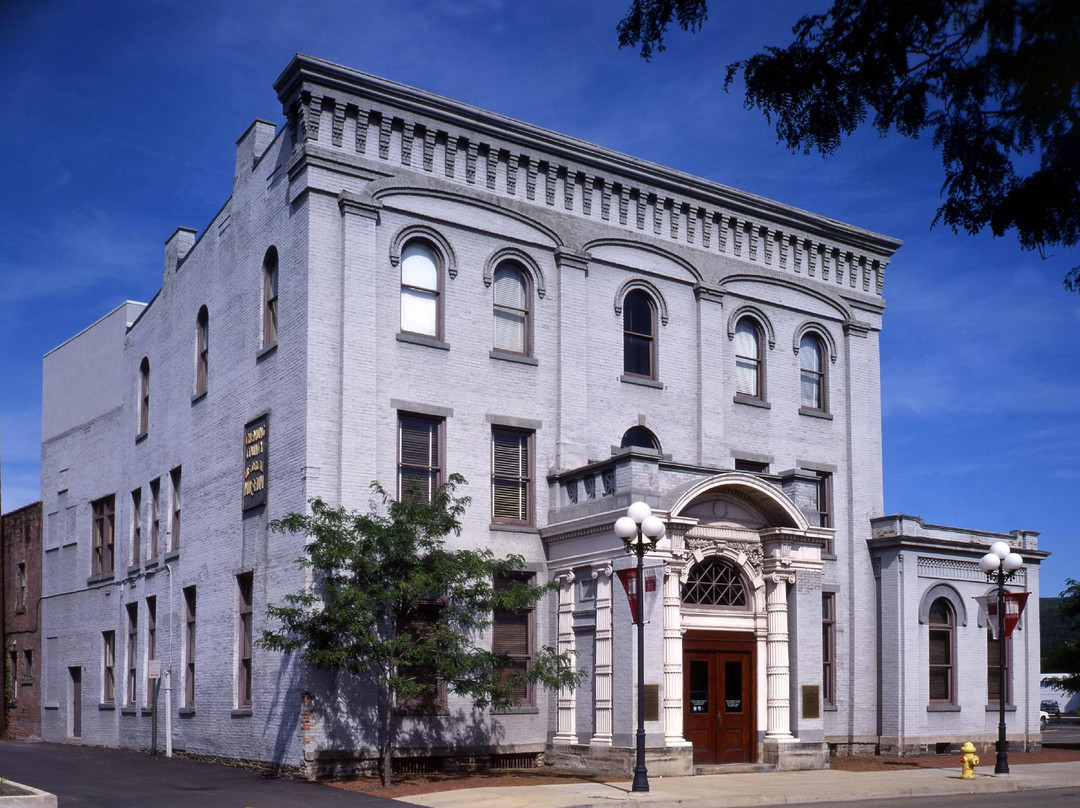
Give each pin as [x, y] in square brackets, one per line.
[119, 125]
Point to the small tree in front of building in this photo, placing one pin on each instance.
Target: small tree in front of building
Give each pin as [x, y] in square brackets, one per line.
[390, 601]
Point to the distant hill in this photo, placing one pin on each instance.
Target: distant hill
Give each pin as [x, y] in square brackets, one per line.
[1054, 628]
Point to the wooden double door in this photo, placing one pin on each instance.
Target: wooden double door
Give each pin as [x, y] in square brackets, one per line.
[718, 713]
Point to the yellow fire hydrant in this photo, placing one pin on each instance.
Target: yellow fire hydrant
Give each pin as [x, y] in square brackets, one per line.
[968, 761]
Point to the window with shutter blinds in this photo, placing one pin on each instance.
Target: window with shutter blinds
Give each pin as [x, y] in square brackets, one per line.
[511, 482]
[511, 310]
[511, 636]
[748, 376]
[811, 373]
[419, 469]
[941, 651]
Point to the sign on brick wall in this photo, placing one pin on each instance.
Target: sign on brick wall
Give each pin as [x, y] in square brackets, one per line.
[256, 443]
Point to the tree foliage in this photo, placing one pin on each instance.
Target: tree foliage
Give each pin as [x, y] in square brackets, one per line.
[1065, 657]
[996, 84]
[391, 602]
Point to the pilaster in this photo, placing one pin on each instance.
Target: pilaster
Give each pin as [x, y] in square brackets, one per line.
[566, 727]
[673, 657]
[602, 660]
[573, 398]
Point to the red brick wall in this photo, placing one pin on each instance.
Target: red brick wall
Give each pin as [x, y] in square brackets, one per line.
[20, 542]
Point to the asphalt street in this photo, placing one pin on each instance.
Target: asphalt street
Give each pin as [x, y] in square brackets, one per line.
[93, 777]
[1044, 798]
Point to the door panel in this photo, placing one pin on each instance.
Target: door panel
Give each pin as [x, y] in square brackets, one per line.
[718, 709]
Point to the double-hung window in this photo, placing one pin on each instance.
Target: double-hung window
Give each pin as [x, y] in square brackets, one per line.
[245, 630]
[130, 696]
[104, 513]
[174, 525]
[511, 476]
[144, 396]
[749, 362]
[155, 518]
[511, 310]
[419, 453]
[420, 289]
[270, 298]
[942, 652]
[812, 374]
[511, 636]
[136, 526]
[993, 669]
[189, 647]
[151, 645]
[202, 350]
[828, 648]
[108, 667]
[639, 336]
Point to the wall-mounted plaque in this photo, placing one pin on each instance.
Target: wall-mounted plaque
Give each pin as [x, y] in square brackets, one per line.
[811, 701]
[256, 446]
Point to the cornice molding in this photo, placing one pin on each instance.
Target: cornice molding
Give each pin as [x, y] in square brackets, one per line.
[319, 98]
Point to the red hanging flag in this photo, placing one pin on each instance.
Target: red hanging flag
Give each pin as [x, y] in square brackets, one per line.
[629, 582]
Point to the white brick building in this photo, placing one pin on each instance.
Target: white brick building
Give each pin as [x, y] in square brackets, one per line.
[400, 282]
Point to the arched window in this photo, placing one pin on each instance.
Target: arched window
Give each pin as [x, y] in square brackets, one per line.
[144, 396]
[993, 669]
[420, 273]
[812, 373]
[270, 298]
[511, 309]
[942, 623]
[749, 364]
[202, 350]
[641, 437]
[639, 335]
[715, 582]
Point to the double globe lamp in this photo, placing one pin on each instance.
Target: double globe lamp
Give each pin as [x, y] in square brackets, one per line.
[1000, 565]
[640, 531]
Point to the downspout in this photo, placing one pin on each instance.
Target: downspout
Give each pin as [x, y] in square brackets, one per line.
[168, 671]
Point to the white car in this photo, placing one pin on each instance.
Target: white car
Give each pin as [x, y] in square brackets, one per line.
[1043, 718]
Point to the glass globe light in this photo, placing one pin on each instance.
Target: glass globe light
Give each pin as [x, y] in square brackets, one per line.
[653, 527]
[1012, 562]
[1000, 549]
[640, 511]
[989, 562]
[626, 528]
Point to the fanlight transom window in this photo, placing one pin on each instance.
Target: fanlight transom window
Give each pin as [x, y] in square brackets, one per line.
[715, 582]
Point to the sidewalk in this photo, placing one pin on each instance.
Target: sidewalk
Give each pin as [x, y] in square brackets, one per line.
[772, 788]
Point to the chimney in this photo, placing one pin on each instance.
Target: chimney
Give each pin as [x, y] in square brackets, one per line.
[177, 246]
[251, 146]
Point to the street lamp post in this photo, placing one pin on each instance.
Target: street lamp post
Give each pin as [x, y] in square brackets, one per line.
[1000, 565]
[640, 531]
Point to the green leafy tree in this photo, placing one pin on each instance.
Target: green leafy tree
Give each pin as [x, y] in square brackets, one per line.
[389, 601]
[1065, 656]
[996, 84]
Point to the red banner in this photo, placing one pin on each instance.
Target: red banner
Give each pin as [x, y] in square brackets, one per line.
[1014, 607]
[629, 582]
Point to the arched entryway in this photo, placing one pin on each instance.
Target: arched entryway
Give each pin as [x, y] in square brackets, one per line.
[737, 544]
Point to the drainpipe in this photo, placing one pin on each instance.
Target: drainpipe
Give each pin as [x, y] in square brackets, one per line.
[168, 671]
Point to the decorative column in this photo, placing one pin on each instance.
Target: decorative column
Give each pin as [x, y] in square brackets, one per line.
[602, 669]
[602, 660]
[777, 669]
[673, 669]
[566, 729]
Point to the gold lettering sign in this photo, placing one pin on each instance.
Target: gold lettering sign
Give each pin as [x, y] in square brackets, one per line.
[256, 438]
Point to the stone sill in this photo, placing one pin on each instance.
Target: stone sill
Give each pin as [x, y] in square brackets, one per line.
[507, 356]
[642, 381]
[422, 339]
[265, 352]
[752, 402]
[810, 413]
[243, 712]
